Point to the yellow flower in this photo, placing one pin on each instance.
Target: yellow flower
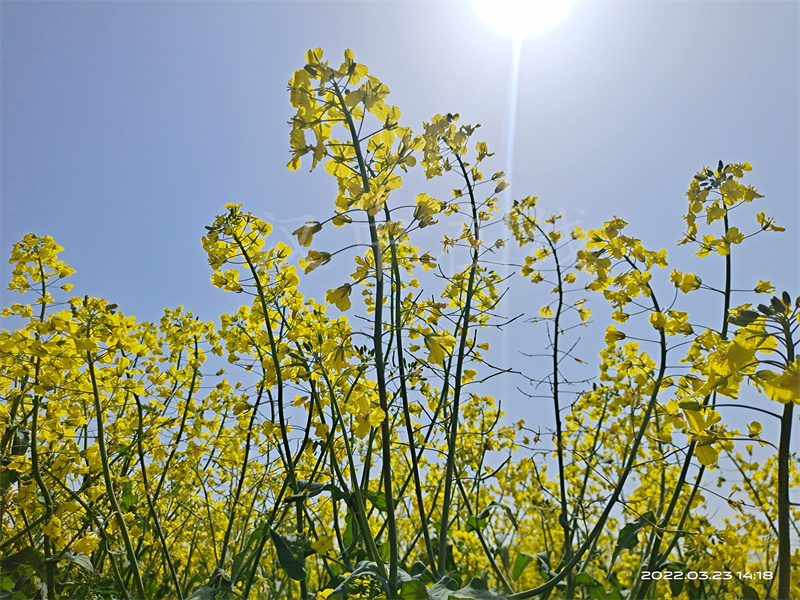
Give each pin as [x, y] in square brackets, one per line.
[658, 320]
[338, 358]
[229, 280]
[783, 387]
[365, 422]
[764, 287]
[87, 544]
[53, 528]
[439, 345]
[306, 233]
[613, 335]
[314, 260]
[754, 429]
[323, 545]
[426, 208]
[340, 296]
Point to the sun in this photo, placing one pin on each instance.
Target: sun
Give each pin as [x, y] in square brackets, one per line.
[522, 18]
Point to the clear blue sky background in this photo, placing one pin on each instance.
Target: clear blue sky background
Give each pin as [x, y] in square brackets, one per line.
[126, 126]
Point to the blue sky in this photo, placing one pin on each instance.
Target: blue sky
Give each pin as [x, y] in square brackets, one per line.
[126, 126]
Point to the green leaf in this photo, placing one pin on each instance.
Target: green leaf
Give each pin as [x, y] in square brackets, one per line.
[508, 511]
[629, 535]
[366, 568]
[241, 559]
[544, 564]
[378, 499]
[585, 579]
[128, 499]
[288, 561]
[350, 529]
[442, 589]
[475, 523]
[478, 522]
[385, 550]
[203, 592]
[306, 489]
[522, 560]
[413, 590]
[594, 587]
[476, 589]
[676, 586]
[27, 556]
[83, 561]
[748, 593]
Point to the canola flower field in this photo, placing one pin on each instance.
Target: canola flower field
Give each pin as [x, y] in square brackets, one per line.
[349, 448]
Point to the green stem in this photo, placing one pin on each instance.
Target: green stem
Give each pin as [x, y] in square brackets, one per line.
[784, 516]
[677, 493]
[453, 433]
[398, 326]
[615, 495]
[150, 504]
[564, 517]
[112, 496]
[377, 342]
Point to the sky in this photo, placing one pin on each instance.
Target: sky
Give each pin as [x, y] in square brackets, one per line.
[127, 126]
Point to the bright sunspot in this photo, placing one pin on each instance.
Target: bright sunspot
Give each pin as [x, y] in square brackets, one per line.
[521, 18]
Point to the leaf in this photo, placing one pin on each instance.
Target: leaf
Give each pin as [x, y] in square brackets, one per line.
[544, 564]
[442, 589]
[585, 579]
[748, 593]
[128, 499]
[366, 568]
[288, 561]
[306, 489]
[629, 535]
[350, 530]
[413, 589]
[675, 585]
[475, 523]
[594, 587]
[83, 561]
[476, 589]
[378, 499]
[27, 556]
[522, 560]
[203, 592]
[509, 512]
[420, 570]
[239, 559]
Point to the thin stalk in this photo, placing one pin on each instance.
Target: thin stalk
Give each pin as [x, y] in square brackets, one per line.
[398, 326]
[150, 504]
[615, 495]
[486, 550]
[49, 510]
[677, 493]
[377, 342]
[564, 517]
[784, 516]
[112, 496]
[240, 483]
[453, 433]
[50, 565]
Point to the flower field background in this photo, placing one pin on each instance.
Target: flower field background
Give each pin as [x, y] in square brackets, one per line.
[353, 447]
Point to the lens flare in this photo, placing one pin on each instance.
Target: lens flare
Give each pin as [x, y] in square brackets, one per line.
[520, 18]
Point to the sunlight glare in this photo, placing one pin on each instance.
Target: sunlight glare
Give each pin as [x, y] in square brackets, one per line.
[521, 18]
